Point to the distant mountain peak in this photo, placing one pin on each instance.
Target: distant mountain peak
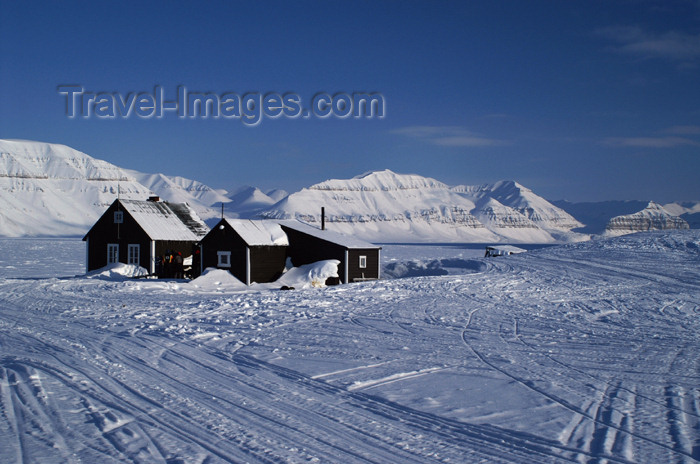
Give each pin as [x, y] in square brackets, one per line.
[509, 184]
[42, 160]
[523, 200]
[51, 189]
[389, 206]
[375, 173]
[277, 194]
[250, 198]
[653, 217]
[385, 180]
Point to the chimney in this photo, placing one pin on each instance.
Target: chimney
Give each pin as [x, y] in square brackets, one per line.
[154, 198]
[323, 218]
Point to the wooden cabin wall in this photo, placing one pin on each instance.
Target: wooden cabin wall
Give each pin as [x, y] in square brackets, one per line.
[371, 271]
[267, 263]
[225, 239]
[306, 249]
[105, 231]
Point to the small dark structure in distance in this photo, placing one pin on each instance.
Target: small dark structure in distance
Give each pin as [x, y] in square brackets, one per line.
[502, 250]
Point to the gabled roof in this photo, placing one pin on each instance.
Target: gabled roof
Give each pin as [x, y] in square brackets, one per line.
[166, 221]
[260, 232]
[328, 235]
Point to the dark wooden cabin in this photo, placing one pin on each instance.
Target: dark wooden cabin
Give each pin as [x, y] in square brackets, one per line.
[359, 260]
[138, 232]
[253, 251]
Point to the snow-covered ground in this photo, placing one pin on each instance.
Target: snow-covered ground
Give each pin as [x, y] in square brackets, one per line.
[581, 353]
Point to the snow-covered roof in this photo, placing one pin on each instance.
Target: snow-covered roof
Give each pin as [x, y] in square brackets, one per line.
[328, 235]
[166, 221]
[259, 232]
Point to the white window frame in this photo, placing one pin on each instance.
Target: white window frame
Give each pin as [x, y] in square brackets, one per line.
[134, 258]
[363, 262]
[112, 253]
[119, 217]
[223, 258]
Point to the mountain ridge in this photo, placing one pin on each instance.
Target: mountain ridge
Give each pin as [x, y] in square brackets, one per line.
[387, 206]
[54, 190]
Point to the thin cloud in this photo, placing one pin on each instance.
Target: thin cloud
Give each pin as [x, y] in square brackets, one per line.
[683, 130]
[448, 136]
[672, 45]
[650, 142]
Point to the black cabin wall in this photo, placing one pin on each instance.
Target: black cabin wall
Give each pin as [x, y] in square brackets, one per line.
[369, 272]
[306, 249]
[105, 231]
[266, 262]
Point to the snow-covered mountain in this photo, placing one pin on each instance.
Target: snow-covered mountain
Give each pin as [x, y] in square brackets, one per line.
[385, 206]
[247, 201]
[277, 194]
[50, 189]
[540, 211]
[506, 221]
[596, 214]
[53, 190]
[687, 210]
[542, 214]
[176, 189]
[653, 217]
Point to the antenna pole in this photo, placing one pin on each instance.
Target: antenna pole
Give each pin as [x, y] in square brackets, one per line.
[118, 204]
[222, 210]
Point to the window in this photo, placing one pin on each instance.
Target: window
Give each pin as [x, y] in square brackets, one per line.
[112, 253]
[118, 217]
[134, 254]
[224, 258]
[363, 262]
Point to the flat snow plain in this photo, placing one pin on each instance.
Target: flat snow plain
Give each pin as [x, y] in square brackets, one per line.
[581, 353]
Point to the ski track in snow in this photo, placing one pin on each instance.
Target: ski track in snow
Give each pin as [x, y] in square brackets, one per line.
[585, 353]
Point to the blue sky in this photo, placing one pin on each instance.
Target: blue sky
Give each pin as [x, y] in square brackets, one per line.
[579, 100]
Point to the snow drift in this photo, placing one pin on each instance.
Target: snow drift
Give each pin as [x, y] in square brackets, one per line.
[309, 275]
[118, 272]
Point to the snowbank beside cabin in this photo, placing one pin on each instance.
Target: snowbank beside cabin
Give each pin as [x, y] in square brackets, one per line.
[217, 280]
[310, 275]
[307, 276]
[118, 271]
[221, 280]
